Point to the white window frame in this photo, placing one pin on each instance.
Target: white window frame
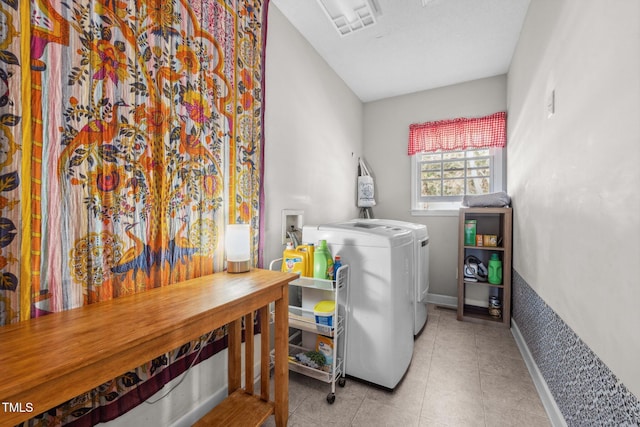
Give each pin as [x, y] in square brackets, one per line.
[447, 205]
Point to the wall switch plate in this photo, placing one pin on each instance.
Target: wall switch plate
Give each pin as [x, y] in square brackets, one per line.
[551, 103]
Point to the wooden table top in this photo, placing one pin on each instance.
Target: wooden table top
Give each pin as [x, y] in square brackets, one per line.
[48, 360]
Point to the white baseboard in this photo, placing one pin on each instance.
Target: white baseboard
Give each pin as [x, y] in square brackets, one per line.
[443, 300]
[209, 403]
[201, 410]
[549, 403]
[452, 302]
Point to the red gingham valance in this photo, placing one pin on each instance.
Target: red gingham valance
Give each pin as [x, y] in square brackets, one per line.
[458, 134]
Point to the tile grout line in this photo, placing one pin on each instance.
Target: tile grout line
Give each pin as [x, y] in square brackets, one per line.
[484, 406]
[433, 349]
[355, 414]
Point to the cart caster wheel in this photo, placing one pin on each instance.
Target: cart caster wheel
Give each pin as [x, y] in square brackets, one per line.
[331, 397]
[342, 382]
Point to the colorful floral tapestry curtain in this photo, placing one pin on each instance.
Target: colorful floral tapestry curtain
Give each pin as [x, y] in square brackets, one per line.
[130, 134]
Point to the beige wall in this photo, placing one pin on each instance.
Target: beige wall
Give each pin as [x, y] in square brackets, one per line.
[313, 135]
[386, 132]
[574, 176]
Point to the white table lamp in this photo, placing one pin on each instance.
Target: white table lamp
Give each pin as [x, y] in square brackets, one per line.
[238, 248]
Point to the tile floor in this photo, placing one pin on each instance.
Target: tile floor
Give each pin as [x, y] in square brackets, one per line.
[461, 374]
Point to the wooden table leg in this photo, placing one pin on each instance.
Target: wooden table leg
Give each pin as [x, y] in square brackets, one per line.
[235, 356]
[248, 352]
[281, 369]
[264, 352]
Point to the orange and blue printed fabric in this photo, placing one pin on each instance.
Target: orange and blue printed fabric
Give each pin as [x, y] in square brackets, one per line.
[130, 133]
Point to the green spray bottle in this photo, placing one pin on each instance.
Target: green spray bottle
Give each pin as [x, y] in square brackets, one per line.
[495, 270]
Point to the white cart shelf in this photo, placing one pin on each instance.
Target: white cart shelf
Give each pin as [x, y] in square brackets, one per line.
[326, 375]
[303, 320]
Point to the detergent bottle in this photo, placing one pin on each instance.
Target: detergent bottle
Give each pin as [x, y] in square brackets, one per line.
[309, 249]
[322, 262]
[495, 270]
[295, 260]
[337, 263]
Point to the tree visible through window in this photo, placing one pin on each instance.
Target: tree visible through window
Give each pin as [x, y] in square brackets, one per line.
[454, 173]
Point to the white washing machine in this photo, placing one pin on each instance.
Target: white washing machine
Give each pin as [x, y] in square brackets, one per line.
[420, 265]
[379, 334]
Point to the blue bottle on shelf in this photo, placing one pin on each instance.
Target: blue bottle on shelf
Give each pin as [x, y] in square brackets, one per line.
[337, 263]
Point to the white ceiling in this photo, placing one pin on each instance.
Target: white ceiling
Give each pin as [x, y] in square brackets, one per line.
[414, 47]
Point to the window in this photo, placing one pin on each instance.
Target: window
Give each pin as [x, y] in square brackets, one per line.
[440, 179]
[456, 157]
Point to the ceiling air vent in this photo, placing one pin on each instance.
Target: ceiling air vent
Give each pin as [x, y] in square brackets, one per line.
[349, 16]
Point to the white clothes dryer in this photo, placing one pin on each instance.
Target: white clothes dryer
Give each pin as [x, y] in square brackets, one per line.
[420, 265]
[379, 330]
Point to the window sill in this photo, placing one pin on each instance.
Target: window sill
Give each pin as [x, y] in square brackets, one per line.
[448, 209]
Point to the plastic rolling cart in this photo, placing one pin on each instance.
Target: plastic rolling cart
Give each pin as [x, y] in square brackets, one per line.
[305, 292]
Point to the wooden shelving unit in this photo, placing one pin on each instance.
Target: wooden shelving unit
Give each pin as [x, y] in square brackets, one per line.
[492, 221]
